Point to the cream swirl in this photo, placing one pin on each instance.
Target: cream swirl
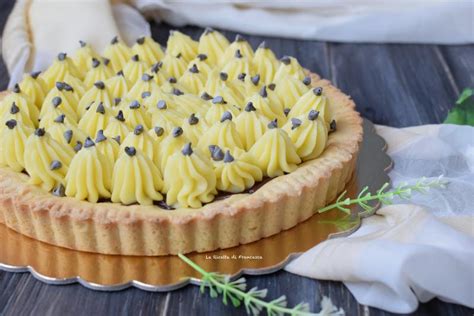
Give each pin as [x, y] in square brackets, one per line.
[179, 43]
[174, 65]
[239, 44]
[99, 71]
[13, 139]
[141, 140]
[265, 63]
[31, 86]
[95, 119]
[118, 53]
[22, 101]
[213, 44]
[148, 50]
[189, 179]
[61, 66]
[314, 99]
[169, 145]
[250, 125]
[83, 56]
[134, 69]
[223, 134]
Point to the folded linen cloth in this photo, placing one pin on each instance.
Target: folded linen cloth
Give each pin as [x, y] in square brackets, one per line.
[37, 30]
[402, 21]
[409, 253]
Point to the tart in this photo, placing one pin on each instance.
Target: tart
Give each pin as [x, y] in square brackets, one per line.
[149, 151]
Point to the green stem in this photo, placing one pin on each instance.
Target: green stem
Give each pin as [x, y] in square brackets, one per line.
[351, 201]
[241, 294]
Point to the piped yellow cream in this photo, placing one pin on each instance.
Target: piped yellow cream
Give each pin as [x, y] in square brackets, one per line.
[289, 89]
[13, 138]
[140, 139]
[64, 133]
[289, 66]
[135, 179]
[218, 108]
[314, 99]
[189, 179]
[61, 66]
[117, 127]
[239, 44]
[143, 88]
[309, 134]
[172, 143]
[46, 160]
[32, 87]
[109, 147]
[89, 176]
[179, 43]
[174, 65]
[213, 44]
[99, 71]
[148, 50]
[134, 69]
[99, 93]
[95, 119]
[118, 53]
[223, 134]
[265, 63]
[22, 101]
[82, 57]
[250, 125]
[192, 80]
[194, 127]
[274, 152]
[117, 85]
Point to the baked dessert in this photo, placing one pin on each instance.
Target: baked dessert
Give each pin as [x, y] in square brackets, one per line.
[149, 151]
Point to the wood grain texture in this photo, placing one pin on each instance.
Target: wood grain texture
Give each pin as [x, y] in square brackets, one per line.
[397, 85]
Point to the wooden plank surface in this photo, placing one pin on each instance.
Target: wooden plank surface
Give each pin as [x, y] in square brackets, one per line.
[396, 85]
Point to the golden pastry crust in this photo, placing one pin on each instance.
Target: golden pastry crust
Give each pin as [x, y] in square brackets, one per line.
[108, 228]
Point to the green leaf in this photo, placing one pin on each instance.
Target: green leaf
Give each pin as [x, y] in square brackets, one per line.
[463, 111]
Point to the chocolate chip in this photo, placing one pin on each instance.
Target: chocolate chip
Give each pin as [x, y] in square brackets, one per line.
[57, 101]
[68, 88]
[62, 56]
[68, 136]
[99, 85]
[217, 154]
[286, 60]
[187, 150]
[100, 108]
[141, 40]
[55, 165]
[318, 91]
[255, 79]
[238, 54]
[88, 143]
[11, 124]
[223, 76]
[134, 105]
[135, 58]
[100, 136]
[60, 118]
[14, 109]
[95, 63]
[106, 61]
[193, 120]
[332, 126]
[78, 146]
[117, 139]
[177, 92]
[242, 76]
[16, 88]
[40, 132]
[82, 43]
[60, 86]
[263, 92]
[208, 30]
[206, 97]
[146, 94]
[272, 86]
[59, 191]
[249, 107]
[35, 74]
[179, 55]
[202, 57]
[218, 100]
[120, 117]
[120, 73]
[295, 123]
[131, 151]
[172, 80]
[177, 131]
[194, 69]
[147, 77]
[307, 81]
[226, 116]
[212, 148]
[138, 129]
[159, 131]
[313, 115]
[161, 105]
[286, 111]
[228, 157]
[114, 40]
[155, 68]
[273, 124]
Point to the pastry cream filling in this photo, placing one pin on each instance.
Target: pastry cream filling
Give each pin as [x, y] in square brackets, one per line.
[274, 152]
[148, 50]
[237, 175]
[312, 100]
[179, 43]
[13, 138]
[61, 66]
[31, 86]
[213, 44]
[99, 71]
[265, 63]
[140, 123]
[89, 176]
[309, 134]
[83, 56]
[189, 179]
[118, 53]
[46, 160]
[135, 179]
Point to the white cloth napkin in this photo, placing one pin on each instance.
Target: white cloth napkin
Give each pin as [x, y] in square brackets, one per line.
[401, 21]
[411, 252]
[37, 30]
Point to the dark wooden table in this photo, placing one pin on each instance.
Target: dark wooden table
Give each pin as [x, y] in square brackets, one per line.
[396, 85]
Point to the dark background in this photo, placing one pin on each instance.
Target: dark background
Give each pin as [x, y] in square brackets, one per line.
[396, 85]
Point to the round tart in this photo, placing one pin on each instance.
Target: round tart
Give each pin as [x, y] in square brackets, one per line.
[150, 151]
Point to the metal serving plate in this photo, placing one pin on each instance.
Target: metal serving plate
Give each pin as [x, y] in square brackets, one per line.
[55, 265]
